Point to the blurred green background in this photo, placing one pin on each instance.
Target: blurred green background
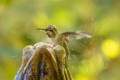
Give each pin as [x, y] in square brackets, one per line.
[97, 58]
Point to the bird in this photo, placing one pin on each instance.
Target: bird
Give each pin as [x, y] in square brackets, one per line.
[61, 39]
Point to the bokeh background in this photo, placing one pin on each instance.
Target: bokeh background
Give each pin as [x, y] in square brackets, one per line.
[97, 58]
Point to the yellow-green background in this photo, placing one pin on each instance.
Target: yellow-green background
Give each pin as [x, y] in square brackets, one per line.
[90, 59]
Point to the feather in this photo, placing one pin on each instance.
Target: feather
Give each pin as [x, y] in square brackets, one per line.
[74, 35]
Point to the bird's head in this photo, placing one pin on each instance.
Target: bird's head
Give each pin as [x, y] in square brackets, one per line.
[51, 31]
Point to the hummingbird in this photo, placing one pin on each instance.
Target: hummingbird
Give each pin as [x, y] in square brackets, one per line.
[62, 38]
[59, 39]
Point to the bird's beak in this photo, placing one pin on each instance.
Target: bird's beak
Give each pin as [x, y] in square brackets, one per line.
[41, 29]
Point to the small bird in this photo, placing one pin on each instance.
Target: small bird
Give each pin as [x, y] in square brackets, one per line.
[61, 39]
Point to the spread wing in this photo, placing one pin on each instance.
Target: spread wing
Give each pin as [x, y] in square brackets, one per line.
[67, 36]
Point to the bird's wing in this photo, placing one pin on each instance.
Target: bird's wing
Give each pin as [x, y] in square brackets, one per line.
[75, 35]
